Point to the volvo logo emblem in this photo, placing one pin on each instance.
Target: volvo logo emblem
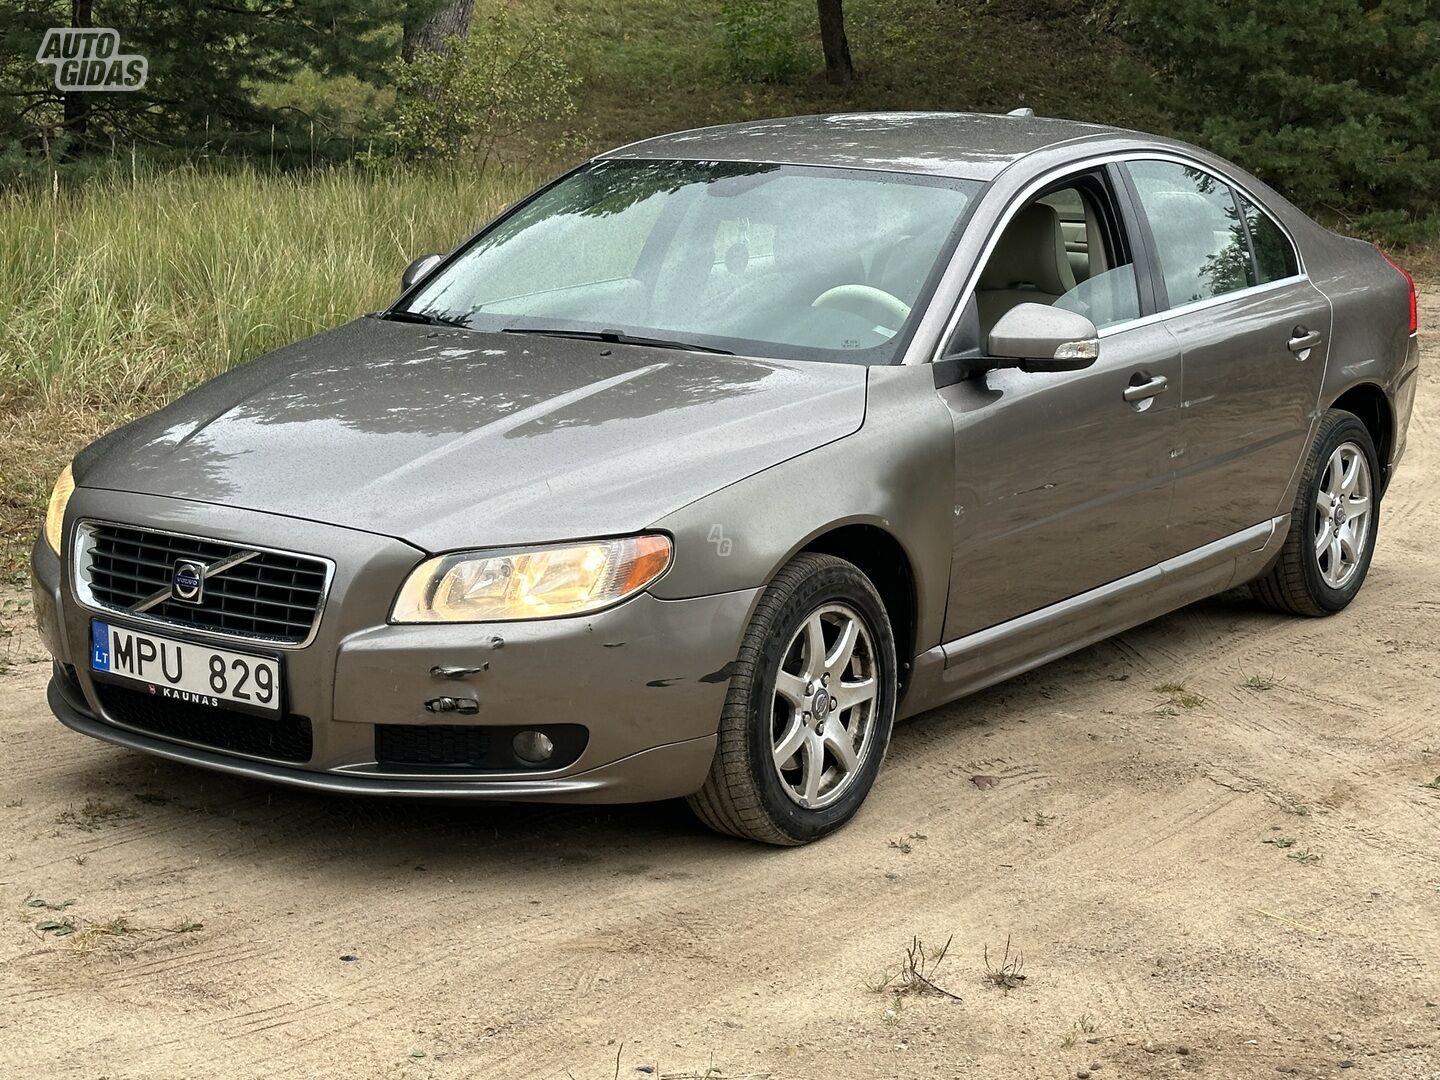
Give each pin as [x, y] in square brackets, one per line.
[187, 582]
[821, 705]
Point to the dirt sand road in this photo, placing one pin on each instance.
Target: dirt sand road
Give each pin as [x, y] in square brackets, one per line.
[1133, 849]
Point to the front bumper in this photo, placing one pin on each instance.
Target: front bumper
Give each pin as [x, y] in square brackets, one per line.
[647, 679]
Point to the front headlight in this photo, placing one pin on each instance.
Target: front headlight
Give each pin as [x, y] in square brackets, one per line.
[55, 512]
[530, 583]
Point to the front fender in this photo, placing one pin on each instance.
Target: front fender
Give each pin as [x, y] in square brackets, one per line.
[896, 473]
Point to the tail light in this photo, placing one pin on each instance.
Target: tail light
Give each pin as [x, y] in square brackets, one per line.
[1414, 305]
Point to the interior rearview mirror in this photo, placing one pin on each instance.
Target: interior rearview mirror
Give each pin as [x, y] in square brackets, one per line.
[1038, 337]
[418, 269]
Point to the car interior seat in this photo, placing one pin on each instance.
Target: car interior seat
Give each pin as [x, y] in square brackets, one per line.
[1028, 266]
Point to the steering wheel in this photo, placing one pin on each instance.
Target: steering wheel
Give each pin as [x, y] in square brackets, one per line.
[874, 301]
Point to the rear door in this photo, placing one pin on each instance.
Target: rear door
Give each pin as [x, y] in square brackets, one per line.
[1253, 334]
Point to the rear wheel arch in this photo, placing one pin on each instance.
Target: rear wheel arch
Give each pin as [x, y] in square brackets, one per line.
[1368, 402]
[1297, 581]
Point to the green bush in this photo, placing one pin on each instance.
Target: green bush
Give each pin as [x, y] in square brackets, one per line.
[760, 40]
[487, 92]
[1337, 103]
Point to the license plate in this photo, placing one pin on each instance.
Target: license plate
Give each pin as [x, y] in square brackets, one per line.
[184, 671]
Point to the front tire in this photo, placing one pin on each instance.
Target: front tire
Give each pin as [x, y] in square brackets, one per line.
[1333, 523]
[811, 705]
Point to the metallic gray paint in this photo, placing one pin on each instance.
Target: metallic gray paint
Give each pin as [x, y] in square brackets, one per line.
[1037, 512]
[1060, 484]
[450, 438]
[971, 146]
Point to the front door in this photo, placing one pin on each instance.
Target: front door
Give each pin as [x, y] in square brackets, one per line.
[1063, 480]
[1062, 484]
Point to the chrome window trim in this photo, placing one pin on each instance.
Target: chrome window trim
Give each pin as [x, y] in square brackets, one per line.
[1200, 305]
[80, 587]
[1082, 164]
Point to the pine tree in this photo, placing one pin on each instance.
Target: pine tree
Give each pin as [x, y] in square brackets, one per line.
[1335, 102]
[205, 60]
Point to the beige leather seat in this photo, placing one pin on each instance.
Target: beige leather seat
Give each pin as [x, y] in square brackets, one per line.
[1028, 266]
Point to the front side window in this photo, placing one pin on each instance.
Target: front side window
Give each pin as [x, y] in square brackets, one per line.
[1066, 249]
[1199, 237]
[762, 259]
[1274, 254]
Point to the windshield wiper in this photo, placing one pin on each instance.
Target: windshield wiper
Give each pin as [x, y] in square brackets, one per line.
[429, 318]
[615, 337]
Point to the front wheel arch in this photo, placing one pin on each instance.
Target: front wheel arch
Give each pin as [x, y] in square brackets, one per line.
[883, 559]
[744, 794]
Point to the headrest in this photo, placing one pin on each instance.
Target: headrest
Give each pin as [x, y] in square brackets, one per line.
[1031, 252]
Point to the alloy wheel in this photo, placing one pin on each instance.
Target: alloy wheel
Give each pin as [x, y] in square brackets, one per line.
[1341, 520]
[824, 706]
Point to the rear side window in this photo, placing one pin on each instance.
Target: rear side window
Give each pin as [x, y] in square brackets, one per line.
[1274, 254]
[1199, 236]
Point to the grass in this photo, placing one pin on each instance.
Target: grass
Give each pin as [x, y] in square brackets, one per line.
[916, 974]
[48, 905]
[1304, 856]
[119, 297]
[1260, 682]
[1177, 695]
[906, 844]
[1008, 972]
[93, 814]
[85, 934]
[1084, 1027]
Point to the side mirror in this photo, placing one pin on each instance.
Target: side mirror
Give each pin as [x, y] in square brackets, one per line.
[1038, 337]
[418, 269]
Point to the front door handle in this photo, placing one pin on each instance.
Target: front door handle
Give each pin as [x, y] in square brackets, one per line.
[1140, 391]
[1303, 340]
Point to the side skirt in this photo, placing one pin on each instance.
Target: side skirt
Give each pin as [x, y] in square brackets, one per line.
[994, 654]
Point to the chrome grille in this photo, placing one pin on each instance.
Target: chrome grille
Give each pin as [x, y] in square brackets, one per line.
[255, 594]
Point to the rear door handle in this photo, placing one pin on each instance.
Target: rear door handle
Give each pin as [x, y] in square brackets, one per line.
[1140, 391]
[1302, 340]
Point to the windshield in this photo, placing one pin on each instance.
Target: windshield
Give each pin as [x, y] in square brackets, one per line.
[768, 260]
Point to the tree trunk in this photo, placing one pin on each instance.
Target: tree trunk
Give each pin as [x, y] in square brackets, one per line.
[428, 24]
[839, 69]
[77, 103]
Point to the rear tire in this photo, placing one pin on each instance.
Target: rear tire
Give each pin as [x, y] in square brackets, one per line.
[811, 704]
[1333, 524]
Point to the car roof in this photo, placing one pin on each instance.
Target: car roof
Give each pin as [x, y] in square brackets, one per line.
[975, 146]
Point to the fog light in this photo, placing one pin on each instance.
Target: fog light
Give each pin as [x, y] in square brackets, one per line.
[533, 746]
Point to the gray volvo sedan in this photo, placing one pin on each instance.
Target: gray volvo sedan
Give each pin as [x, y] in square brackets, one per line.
[699, 467]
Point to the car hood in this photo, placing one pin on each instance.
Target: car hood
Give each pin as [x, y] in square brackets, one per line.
[449, 438]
